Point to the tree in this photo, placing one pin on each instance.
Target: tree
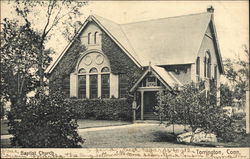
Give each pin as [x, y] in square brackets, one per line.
[47, 121]
[237, 72]
[19, 61]
[190, 105]
[226, 95]
[52, 13]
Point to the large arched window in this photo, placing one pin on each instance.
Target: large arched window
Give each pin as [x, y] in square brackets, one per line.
[89, 38]
[93, 83]
[94, 76]
[95, 37]
[82, 83]
[105, 82]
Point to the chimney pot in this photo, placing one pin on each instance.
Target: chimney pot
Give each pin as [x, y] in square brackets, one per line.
[210, 9]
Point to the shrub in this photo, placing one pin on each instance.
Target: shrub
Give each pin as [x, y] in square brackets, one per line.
[102, 109]
[47, 121]
[192, 106]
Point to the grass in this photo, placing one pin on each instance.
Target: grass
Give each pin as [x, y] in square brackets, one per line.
[138, 136]
[99, 123]
[132, 136]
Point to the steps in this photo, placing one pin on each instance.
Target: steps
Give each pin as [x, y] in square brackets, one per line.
[150, 116]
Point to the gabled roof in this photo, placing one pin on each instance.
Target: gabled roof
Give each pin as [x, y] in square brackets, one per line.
[165, 41]
[166, 77]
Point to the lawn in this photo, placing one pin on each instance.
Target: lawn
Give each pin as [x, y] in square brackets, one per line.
[132, 136]
[119, 134]
[82, 124]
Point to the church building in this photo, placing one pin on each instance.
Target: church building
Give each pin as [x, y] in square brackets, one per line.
[138, 59]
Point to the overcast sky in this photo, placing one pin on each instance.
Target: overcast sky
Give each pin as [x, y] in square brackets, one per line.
[231, 18]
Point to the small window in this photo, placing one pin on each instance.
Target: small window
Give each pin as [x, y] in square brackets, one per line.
[95, 37]
[205, 67]
[82, 70]
[198, 66]
[215, 72]
[93, 70]
[209, 67]
[105, 69]
[89, 38]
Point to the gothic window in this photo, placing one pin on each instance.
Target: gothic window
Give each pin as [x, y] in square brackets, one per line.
[105, 83]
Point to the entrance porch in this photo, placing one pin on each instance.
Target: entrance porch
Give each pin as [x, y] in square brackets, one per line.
[146, 100]
[153, 80]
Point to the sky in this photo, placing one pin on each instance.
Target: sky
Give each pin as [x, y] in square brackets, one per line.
[231, 18]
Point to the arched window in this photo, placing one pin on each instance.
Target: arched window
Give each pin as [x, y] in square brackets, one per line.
[93, 70]
[105, 69]
[198, 66]
[95, 37]
[82, 83]
[105, 82]
[93, 83]
[215, 72]
[207, 65]
[82, 70]
[89, 38]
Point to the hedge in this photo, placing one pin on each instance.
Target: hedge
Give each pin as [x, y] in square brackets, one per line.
[102, 109]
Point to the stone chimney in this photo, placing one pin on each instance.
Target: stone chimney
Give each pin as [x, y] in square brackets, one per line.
[210, 9]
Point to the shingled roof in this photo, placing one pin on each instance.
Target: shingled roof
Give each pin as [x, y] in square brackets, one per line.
[165, 41]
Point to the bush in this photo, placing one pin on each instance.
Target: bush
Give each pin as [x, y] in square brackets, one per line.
[47, 121]
[192, 106]
[102, 109]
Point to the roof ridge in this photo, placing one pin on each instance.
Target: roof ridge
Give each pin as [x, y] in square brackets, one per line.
[179, 16]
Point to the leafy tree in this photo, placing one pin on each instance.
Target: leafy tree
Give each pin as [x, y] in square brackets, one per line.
[226, 95]
[19, 61]
[51, 14]
[195, 107]
[237, 72]
[47, 121]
